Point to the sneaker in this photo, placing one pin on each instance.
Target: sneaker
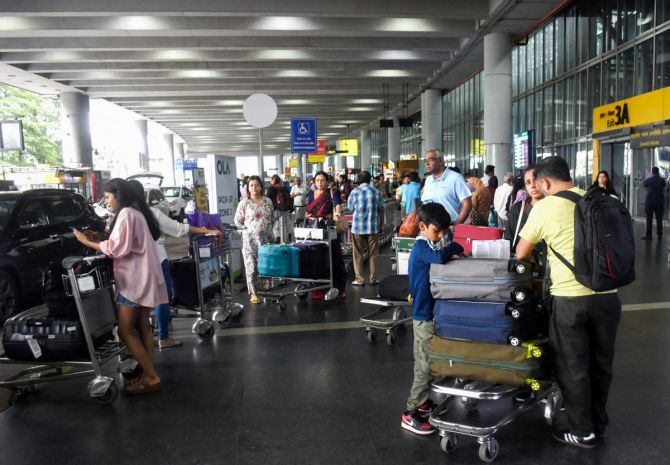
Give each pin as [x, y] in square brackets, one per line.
[356, 283]
[417, 425]
[585, 442]
[168, 343]
[426, 408]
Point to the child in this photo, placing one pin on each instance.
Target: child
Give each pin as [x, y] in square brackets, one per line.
[433, 222]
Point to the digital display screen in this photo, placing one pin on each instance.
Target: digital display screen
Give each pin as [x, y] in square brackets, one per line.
[524, 149]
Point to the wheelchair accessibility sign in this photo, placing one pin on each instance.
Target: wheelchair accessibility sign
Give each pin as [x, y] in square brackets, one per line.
[303, 135]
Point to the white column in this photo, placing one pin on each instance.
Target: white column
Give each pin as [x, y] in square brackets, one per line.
[279, 165]
[394, 140]
[366, 150]
[498, 101]
[76, 130]
[261, 165]
[180, 153]
[143, 129]
[168, 139]
[431, 120]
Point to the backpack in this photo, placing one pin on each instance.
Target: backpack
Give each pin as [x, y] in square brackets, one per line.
[283, 200]
[57, 301]
[604, 250]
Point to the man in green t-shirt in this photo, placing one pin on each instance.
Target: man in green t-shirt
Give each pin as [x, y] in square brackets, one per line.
[583, 323]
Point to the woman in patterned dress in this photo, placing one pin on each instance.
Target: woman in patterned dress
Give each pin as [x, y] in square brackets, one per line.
[255, 214]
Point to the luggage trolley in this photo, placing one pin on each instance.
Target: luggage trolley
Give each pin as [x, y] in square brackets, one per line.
[94, 297]
[453, 421]
[400, 315]
[278, 286]
[214, 302]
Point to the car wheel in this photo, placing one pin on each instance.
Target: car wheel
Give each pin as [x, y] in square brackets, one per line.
[9, 295]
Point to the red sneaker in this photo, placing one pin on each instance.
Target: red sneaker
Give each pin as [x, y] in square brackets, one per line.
[416, 424]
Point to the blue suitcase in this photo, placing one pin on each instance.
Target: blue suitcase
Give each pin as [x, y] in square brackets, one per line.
[278, 261]
[490, 322]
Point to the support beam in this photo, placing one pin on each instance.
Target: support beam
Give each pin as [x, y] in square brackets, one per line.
[431, 120]
[498, 101]
[76, 130]
[143, 155]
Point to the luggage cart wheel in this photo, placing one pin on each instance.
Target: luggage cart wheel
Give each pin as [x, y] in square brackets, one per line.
[204, 329]
[519, 295]
[513, 311]
[301, 295]
[488, 450]
[536, 352]
[514, 341]
[449, 442]
[391, 337]
[371, 334]
[110, 394]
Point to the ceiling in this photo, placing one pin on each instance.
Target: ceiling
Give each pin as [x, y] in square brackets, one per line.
[189, 65]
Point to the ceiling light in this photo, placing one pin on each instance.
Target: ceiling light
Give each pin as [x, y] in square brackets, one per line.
[388, 73]
[136, 23]
[13, 23]
[176, 54]
[198, 73]
[297, 73]
[284, 23]
[395, 55]
[366, 101]
[362, 109]
[282, 55]
[406, 25]
[230, 103]
[296, 102]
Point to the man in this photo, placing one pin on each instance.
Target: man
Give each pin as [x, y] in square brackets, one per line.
[654, 202]
[489, 179]
[500, 199]
[583, 323]
[368, 206]
[411, 192]
[399, 196]
[446, 187]
[344, 187]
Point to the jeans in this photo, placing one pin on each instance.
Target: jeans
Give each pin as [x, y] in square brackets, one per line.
[163, 310]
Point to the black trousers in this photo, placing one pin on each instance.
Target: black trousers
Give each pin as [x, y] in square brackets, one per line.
[657, 211]
[582, 333]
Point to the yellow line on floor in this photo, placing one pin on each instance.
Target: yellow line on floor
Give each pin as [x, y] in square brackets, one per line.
[647, 306]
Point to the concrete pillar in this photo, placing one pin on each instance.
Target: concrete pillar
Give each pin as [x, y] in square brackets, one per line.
[180, 149]
[498, 101]
[76, 130]
[303, 166]
[279, 165]
[431, 120]
[394, 140]
[261, 165]
[168, 139]
[142, 128]
[366, 150]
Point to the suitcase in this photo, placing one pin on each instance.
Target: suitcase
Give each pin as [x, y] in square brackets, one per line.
[185, 286]
[313, 260]
[490, 322]
[494, 363]
[59, 339]
[464, 234]
[486, 279]
[394, 288]
[278, 261]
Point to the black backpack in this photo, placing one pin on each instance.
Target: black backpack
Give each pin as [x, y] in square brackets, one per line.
[604, 251]
[283, 200]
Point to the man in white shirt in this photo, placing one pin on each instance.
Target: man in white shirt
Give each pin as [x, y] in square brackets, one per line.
[500, 199]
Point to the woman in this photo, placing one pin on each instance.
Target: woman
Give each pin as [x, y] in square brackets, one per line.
[137, 275]
[519, 212]
[603, 181]
[481, 202]
[255, 214]
[325, 204]
[299, 195]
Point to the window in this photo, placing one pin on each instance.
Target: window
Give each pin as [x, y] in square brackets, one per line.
[609, 81]
[625, 74]
[548, 113]
[559, 114]
[539, 57]
[64, 209]
[644, 67]
[662, 78]
[581, 104]
[32, 215]
[593, 94]
[522, 68]
[530, 63]
[662, 12]
[570, 38]
[559, 46]
[549, 51]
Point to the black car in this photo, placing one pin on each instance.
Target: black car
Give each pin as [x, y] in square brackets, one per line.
[35, 230]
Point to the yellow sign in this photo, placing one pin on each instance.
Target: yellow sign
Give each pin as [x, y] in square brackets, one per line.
[313, 158]
[293, 163]
[652, 107]
[348, 147]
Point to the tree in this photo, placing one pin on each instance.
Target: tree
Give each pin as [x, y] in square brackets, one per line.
[41, 125]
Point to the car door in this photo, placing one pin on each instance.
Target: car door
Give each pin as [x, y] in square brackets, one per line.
[37, 242]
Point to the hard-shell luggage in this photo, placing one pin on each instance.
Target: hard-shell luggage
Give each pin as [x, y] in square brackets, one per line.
[58, 339]
[394, 288]
[495, 363]
[313, 262]
[185, 286]
[491, 322]
[278, 261]
[464, 234]
[486, 279]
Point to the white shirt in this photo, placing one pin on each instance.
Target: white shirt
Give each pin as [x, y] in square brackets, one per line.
[485, 179]
[300, 193]
[170, 227]
[500, 199]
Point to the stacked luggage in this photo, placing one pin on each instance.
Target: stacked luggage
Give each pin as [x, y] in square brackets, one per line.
[307, 260]
[489, 323]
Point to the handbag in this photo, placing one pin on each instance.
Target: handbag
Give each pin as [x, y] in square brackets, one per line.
[410, 225]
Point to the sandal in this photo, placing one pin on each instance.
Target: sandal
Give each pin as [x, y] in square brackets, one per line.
[141, 387]
[255, 299]
[168, 343]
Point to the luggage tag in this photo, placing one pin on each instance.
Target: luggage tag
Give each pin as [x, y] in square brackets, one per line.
[34, 347]
[86, 283]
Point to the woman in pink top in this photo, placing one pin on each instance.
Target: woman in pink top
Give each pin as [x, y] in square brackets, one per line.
[137, 274]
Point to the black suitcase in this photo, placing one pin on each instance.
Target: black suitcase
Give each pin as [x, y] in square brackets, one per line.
[313, 262]
[185, 286]
[394, 288]
[58, 303]
[59, 339]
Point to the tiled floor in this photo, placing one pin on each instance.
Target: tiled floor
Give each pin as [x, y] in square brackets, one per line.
[329, 397]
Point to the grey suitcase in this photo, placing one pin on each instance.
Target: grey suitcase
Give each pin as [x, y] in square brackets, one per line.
[482, 279]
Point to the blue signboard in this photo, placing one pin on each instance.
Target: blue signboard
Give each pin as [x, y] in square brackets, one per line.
[190, 164]
[303, 135]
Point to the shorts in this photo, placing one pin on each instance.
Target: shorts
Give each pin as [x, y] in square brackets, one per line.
[120, 299]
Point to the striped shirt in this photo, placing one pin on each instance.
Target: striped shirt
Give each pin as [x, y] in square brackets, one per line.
[365, 201]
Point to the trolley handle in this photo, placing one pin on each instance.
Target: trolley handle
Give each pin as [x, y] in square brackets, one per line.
[70, 262]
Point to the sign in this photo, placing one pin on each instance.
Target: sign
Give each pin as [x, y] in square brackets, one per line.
[303, 135]
[293, 163]
[287, 172]
[189, 165]
[524, 149]
[348, 147]
[659, 137]
[642, 110]
[221, 178]
[11, 135]
[179, 164]
[320, 155]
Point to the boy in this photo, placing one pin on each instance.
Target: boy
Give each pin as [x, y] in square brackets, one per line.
[433, 222]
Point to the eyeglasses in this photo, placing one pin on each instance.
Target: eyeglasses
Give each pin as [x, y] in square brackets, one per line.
[430, 160]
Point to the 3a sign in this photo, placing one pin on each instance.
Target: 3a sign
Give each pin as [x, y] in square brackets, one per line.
[642, 110]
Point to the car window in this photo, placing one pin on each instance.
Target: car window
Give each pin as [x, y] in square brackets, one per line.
[6, 206]
[171, 191]
[187, 192]
[33, 215]
[155, 196]
[64, 209]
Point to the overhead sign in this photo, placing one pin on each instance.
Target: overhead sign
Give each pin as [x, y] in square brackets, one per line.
[348, 147]
[642, 110]
[293, 163]
[303, 135]
[189, 165]
[320, 155]
[179, 164]
[659, 137]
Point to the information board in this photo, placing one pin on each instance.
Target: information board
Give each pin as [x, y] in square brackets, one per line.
[524, 149]
[303, 135]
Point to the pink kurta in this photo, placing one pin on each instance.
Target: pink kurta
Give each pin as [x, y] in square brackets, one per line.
[137, 269]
